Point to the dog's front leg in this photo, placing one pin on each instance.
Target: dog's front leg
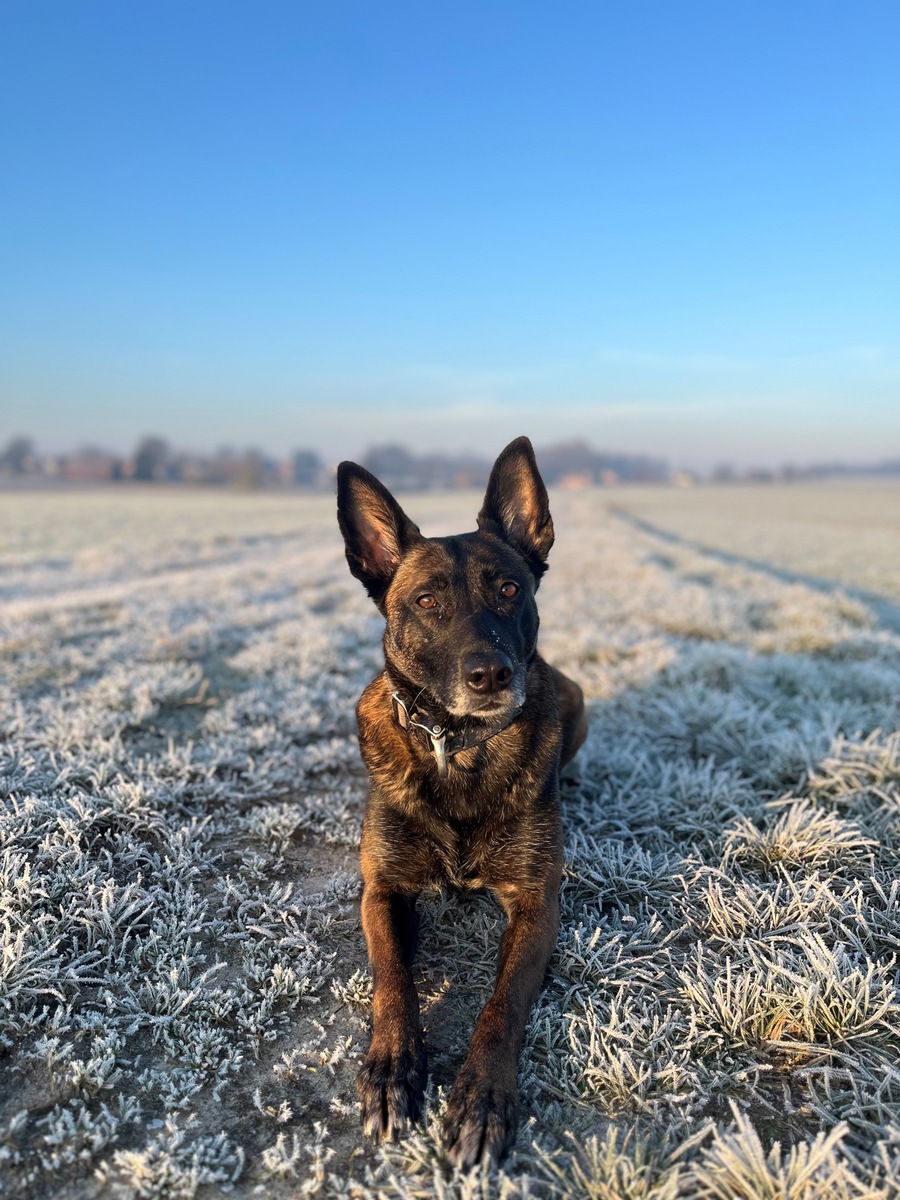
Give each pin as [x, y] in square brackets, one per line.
[391, 1081]
[482, 1114]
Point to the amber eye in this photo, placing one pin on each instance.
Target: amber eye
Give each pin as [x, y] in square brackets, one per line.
[426, 601]
[509, 589]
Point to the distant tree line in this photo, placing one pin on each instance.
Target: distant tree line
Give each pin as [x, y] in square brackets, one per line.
[573, 464]
[567, 464]
[576, 464]
[155, 461]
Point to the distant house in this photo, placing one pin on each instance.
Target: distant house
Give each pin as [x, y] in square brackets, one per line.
[89, 466]
[684, 479]
[575, 481]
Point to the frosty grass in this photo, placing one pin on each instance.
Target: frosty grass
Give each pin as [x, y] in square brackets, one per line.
[184, 991]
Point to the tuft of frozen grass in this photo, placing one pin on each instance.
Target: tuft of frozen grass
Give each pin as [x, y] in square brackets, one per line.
[797, 996]
[170, 1166]
[803, 836]
[611, 1167]
[304, 1159]
[736, 1166]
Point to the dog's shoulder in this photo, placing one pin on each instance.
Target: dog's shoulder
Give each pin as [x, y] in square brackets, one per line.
[375, 700]
[381, 743]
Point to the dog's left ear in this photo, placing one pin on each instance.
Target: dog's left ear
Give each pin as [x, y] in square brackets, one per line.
[516, 507]
[377, 532]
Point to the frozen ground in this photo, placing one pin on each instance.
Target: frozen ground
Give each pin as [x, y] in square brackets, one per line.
[183, 985]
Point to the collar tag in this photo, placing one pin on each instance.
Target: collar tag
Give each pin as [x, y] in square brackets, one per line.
[439, 750]
[436, 734]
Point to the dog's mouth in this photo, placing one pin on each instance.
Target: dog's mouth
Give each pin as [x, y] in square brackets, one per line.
[490, 706]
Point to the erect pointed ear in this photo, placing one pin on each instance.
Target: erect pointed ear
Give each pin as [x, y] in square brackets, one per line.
[377, 532]
[516, 507]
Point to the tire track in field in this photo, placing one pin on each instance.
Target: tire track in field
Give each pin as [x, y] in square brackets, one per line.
[885, 610]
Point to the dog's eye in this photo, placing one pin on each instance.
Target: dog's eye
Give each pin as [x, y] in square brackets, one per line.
[426, 601]
[509, 589]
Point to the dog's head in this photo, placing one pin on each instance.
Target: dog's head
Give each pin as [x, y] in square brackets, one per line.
[461, 615]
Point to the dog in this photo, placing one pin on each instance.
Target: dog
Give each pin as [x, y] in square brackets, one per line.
[463, 734]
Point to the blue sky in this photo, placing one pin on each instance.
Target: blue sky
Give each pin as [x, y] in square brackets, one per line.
[666, 227]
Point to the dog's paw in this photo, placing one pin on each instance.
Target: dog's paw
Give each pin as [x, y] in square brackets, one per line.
[482, 1116]
[390, 1089]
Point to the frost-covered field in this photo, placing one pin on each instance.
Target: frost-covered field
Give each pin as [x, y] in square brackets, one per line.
[183, 984]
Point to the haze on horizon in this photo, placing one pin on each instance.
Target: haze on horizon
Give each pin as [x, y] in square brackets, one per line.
[670, 229]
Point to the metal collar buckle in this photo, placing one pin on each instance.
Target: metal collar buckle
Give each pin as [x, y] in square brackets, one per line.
[436, 734]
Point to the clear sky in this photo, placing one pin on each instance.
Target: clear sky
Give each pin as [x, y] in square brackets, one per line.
[667, 227]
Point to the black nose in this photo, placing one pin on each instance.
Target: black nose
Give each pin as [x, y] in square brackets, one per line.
[488, 672]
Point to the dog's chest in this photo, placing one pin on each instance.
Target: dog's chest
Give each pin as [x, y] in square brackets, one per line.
[473, 855]
[460, 861]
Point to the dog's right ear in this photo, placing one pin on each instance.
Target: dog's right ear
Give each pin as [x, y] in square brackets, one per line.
[377, 532]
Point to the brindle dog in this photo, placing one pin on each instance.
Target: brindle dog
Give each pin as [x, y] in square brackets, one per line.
[463, 735]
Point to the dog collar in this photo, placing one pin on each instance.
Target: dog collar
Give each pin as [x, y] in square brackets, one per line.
[435, 737]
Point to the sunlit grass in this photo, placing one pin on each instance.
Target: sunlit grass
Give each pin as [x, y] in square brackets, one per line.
[184, 993]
